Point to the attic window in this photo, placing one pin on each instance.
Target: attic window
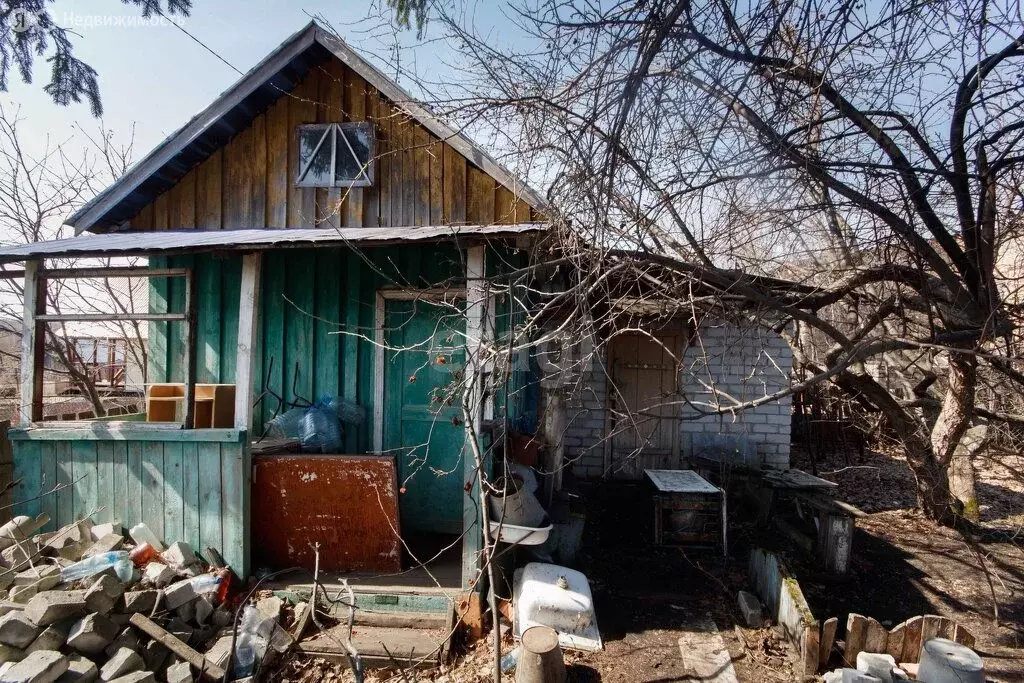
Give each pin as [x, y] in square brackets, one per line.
[335, 155]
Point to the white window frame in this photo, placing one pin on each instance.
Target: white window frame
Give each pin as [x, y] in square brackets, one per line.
[365, 176]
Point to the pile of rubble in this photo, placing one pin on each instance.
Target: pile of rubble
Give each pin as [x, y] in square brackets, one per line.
[88, 603]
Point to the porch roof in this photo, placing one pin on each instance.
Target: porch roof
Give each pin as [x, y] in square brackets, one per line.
[187, 241]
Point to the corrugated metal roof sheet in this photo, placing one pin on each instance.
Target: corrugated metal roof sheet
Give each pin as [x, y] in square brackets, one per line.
[180, 241]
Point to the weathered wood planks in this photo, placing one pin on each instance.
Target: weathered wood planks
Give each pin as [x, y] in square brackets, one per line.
[903, 642]
[419, 179]
[184, 490]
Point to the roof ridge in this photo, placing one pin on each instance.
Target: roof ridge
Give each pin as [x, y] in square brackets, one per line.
[95, 210]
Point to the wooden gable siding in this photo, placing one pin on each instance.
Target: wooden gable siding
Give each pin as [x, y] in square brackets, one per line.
[250, 182]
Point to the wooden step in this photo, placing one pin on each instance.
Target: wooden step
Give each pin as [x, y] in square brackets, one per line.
[390, 619]
[420, 647]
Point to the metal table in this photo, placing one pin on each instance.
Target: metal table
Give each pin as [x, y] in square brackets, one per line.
[688, 509]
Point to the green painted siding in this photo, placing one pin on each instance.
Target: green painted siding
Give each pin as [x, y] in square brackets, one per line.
[317, 321]
[190, 490]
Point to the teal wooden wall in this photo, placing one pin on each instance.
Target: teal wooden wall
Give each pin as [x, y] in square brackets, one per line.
[308, 297]
[193, 488]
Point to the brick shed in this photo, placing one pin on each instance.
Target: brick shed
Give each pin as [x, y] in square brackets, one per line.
[631, 406]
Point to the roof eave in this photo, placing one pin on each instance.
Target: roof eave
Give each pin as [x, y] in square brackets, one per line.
[96, 208]
[93, 211]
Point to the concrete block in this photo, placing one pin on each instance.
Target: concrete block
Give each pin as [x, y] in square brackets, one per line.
[141, 601]
[92, 633]
[136, 677]
[177, 594]
[11, 654]
[33, 575]
[155, 655]
[270, 608]
[158, 574]
[221, 650]
[124, 662]
[44, 666]
[98, 531]
[750, 608]
[203, 610]
[128, 637]
[179, 673]
[80, 670]
[180, 555]
[22, 594]
[186, 612]
[180, 629]
[105, 545]
[103, 594]
[855, 676]
[878, 665]
[50, 638]
[46, 608]
[17, 630]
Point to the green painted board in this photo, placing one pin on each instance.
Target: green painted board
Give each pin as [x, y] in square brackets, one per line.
[152, 487]
[299, 351]
[326, 342]
[105, 493]
[190, 474]
[173, 482]
[234, 507]
[47, 479]
[27, 472]
[65, 477]
[209, 322]
[86, 486]
[210, 488]
[350, 344]
[122, 508]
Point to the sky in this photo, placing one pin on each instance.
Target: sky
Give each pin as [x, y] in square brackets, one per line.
[155, 77]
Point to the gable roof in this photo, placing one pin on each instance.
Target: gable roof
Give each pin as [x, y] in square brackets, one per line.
[236, 108]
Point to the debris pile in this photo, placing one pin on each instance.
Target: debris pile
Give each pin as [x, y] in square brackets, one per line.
[91, 603]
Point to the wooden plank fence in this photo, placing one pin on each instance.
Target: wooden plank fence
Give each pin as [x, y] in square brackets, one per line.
[185, 485]
[904, 641]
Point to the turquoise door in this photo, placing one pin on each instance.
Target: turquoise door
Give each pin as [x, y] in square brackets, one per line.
[424, 368]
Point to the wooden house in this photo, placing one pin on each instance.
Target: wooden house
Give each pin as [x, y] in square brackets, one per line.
[315, 231]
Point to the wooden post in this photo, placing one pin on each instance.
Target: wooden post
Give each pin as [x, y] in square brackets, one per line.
[31, 396]
[835, 541]
[476, 315]
[248, 316]
[191, 313]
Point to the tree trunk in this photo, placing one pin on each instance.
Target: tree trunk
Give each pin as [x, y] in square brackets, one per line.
[933, 495]
[961, 472]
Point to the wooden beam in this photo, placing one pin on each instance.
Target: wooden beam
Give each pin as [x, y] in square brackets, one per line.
[113, 271]
[248, 315]
[476, 316]
[191, 314]
[31, 397]
[205, 667]
[104, 317]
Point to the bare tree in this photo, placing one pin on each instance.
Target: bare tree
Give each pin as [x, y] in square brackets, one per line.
[846, 173]
[37, 192]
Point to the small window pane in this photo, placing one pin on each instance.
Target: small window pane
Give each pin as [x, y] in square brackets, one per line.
[351, 145]
[315, 169]
[352, 168]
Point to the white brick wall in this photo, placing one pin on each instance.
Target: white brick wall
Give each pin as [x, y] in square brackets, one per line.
[745, 362]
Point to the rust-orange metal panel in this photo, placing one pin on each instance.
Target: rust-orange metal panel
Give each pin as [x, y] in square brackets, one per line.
[347, 503]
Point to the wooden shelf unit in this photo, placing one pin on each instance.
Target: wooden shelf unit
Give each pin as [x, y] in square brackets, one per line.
[213, 405]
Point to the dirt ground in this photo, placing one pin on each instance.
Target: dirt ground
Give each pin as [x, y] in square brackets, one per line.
[903, 566]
